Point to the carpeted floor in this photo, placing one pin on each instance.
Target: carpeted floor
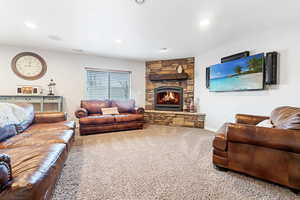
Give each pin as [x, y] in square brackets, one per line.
[156, 163]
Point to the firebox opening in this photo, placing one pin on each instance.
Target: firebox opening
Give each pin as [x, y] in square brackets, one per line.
[168, 98]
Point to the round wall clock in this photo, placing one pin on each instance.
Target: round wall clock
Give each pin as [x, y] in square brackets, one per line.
[29, 66]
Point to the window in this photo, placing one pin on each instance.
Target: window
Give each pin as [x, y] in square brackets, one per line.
[108, 84]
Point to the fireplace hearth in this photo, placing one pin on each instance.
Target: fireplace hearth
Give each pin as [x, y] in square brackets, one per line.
[168, 98]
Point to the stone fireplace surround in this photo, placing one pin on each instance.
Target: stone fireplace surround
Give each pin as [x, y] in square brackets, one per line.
[169, 67]
[171, 118]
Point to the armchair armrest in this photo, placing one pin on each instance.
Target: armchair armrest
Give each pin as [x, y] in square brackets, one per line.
[282, 139]
[81, 112]
[139, 110]
[5, 172]
[50, 117]
[249, 119]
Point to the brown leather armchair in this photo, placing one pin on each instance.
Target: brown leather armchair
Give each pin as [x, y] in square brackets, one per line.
[271, 154]
[91, 119]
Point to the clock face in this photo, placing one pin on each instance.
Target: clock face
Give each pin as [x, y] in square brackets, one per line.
[29, 66]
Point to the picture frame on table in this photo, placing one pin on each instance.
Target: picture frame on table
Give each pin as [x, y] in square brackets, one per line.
[28, 90]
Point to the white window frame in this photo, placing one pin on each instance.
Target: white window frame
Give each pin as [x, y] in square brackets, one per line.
[108, 70]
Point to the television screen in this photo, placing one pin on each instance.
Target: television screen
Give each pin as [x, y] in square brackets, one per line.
[242, 74]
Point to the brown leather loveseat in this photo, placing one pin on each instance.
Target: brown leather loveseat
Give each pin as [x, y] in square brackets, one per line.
[92, 120]
[270, 153]
[32, 155]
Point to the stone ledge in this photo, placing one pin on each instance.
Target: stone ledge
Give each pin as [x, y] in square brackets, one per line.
[173, 112]
[171, 118]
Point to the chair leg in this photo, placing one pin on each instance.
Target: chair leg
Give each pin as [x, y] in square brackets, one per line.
[222, 169]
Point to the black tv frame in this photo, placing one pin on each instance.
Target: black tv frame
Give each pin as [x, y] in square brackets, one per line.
[245, 90]
[235, 56]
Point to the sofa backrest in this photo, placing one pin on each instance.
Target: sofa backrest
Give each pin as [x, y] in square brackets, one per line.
[124, 106]
[286, 117]
[94, 106]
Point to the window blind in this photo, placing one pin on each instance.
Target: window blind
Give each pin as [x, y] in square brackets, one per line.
[119, 85]
[108, 85]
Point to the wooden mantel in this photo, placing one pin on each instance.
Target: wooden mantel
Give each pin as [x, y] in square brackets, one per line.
[168, 77]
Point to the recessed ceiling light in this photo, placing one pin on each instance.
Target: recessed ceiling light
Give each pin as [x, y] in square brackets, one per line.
[78, 50]
[140, 1]
[205, 22]
[164, 50]
[54, 37]
[118, 41]
[30, 25]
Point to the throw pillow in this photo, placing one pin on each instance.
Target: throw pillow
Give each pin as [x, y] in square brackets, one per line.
[110, 111]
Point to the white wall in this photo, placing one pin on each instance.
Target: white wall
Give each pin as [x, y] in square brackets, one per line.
[67, 70]
[221, 107]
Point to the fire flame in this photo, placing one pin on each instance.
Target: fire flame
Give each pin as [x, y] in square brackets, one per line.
[169, 97]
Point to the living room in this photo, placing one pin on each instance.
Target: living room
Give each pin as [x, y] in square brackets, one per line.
[122, 92]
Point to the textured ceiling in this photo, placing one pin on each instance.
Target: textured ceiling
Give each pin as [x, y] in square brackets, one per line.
[95, 25]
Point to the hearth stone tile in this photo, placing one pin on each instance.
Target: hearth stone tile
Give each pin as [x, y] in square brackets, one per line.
[178, 121]
[172, 118]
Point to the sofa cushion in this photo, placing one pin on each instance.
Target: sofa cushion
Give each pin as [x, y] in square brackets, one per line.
[129, 117]
[7, 132]
[35, 171]
[95, 115]
[94, 106]
[286, 117]
[39, 138]
[124, 106]
[63, 125]
[97, 120]
[49, 117]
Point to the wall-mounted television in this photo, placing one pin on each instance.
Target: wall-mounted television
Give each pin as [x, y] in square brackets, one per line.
[238, 75]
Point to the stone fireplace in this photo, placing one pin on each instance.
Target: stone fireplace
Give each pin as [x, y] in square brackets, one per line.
[169, 93]
[166, 68]
[168, 98]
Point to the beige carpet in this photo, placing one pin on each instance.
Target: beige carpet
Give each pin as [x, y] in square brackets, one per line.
[156, 163]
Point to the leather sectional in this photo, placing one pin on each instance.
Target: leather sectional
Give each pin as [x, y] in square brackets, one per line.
[91, 119]
[271, 154]
[32, 159]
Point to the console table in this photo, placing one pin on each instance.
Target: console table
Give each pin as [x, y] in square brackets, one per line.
[41, 103]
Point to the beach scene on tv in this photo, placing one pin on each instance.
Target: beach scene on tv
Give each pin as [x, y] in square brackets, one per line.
[243, 74]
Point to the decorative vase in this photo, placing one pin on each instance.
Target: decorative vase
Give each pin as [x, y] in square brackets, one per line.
[192, 107]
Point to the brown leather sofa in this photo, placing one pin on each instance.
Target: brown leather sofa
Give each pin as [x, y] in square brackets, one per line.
[32, 159]
[91, 119]
[271, 154]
